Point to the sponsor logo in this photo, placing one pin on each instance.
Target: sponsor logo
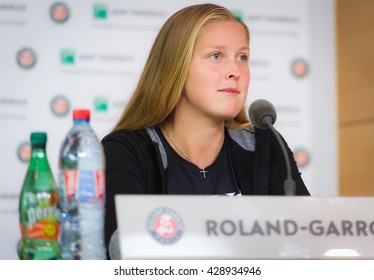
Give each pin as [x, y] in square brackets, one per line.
[59, 12]
[240, 228]
[100, 11]
[10, 196]
[147, 13]
[238, 14]
[118, 104]
[24, 152]
[60, 106]
[301, 157]
[35, 214]
[275, 19]
[101, 104]
[116, 58]
[299, 68]
[165, 225]
[13, 101]
[43, 215]
[26, 58]
[71, 56]
[12, 7]
[67, 56]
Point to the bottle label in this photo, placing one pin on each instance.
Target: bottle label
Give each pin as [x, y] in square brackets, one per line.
[70, 177]
[43, 222]
[100, 184]
[84, 184]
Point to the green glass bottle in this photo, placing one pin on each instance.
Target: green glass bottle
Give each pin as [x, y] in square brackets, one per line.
[39, 207]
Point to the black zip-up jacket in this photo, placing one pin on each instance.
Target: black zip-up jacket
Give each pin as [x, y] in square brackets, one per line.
[136, 163]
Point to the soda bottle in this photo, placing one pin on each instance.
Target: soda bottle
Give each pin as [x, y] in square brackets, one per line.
[82, 191]
[39, 207]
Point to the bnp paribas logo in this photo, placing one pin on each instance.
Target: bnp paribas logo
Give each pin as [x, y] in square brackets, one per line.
[101, 104]
[100, 11]
[238, 14]
[67, 56]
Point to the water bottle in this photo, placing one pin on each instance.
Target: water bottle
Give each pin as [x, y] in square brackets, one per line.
[39, 207]
[82, 191]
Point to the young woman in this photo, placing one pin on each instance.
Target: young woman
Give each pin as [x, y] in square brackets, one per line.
[185, 129]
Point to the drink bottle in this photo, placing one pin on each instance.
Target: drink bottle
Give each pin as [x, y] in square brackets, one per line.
[82, 191]
[39, 207]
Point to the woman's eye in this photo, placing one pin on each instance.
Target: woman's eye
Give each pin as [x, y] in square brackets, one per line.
[243, 57]
[216, 56]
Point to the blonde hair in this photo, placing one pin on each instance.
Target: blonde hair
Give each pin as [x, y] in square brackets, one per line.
[163, 78]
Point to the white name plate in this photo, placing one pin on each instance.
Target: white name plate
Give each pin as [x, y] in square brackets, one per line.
[247, 227]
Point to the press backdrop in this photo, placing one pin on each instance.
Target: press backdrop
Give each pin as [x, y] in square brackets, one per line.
[60, 55]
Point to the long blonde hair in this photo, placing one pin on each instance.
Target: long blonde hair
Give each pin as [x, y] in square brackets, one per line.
[163, 78]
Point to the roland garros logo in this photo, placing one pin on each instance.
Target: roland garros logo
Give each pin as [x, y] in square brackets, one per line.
[24, 152]
[165, 225]
[26, 58]
[60, 106]
[59, 12]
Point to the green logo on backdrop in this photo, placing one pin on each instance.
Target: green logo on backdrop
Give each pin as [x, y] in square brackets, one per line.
[101, 104]
[67, 56]
[100, 11]
[238, 14]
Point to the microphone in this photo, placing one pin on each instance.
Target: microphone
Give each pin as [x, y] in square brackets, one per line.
[114, 246]
[263, 115]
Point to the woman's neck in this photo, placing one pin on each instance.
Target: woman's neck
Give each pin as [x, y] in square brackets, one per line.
[195, 141]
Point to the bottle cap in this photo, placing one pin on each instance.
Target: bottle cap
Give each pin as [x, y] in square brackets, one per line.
[38, 138]
[81, 114]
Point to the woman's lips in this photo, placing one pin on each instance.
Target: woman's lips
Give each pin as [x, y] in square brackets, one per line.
[230, 91]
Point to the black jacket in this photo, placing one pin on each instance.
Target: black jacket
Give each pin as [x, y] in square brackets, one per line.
[135, 164]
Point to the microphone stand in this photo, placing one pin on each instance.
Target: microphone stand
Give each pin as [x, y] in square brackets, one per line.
[289, 185]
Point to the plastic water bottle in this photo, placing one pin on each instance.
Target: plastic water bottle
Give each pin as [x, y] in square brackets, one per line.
[39, 207]
[82, 191]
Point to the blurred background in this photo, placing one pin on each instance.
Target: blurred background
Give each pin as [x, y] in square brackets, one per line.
[312, 59]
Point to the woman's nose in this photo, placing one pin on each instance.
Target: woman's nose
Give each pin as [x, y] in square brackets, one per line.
[233, 72]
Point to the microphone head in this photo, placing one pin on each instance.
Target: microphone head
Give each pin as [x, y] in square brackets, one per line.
[261, 112]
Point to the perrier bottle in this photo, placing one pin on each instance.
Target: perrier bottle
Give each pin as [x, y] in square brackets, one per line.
[39, 207]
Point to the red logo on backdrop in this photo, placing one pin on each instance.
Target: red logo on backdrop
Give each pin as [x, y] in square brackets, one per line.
[24, 152]
[26, 58]
[165, 225]
[59, 12]
[301, 157]
[299, 68]
[60, 106]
